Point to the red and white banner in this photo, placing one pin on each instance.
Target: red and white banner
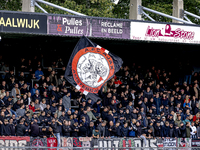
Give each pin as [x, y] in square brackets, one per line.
[14, 141]
[165, 32]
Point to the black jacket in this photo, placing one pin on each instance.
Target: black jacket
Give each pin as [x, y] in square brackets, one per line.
[117, 131]
[182, 131]
[43, 133]
[134, 115]
[82, 131]
[12, 129]
[55, 128]
[157, 130]
[176, 132]
[5, 130]
[90, 131]
[165, 131]
[113, 131]
[171, 132]
[73, 132]
[109, 118]
[124, 132]
[20, 130]
[43, 120]
[34, 129]
[66, 130]
[138, 131]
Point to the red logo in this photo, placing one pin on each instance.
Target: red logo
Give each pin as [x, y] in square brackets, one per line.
[91, 68]
[168, 32]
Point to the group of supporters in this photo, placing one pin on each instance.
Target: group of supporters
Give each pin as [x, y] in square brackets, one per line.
[136, 102]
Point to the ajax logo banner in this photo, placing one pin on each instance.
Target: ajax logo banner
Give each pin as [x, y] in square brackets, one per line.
[91, 68]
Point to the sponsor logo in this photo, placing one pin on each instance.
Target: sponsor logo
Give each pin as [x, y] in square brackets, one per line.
[168, 32]
[91, 68]
[20, 23]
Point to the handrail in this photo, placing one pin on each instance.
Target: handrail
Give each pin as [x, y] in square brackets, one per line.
[191, 14]
[60, 7]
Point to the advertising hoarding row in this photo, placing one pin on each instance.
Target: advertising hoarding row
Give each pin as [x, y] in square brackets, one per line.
[78, 26]
[69, 143]
[65, 25]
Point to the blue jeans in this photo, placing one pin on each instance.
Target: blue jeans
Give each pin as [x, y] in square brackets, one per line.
[58, 139]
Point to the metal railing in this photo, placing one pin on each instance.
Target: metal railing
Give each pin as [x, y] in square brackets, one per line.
[142, 8]
[56, 6]
[94, 148]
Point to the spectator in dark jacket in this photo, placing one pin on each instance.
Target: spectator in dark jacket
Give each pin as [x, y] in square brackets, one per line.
[5, 131]
[56, 130]
[124, 130]
[158, 129]
[11, 127]
[66, 128]
[117, 129]
[20, 129]
[43, 119]
[171, 130]
[111, 129]
[75, 130]
[176, 130]
[165, 130]
[43, 132]
[34, 128]
[90, 129]
[107, 100]
[182, 130]
[148, 93]
[164, 100]
[82, 130]
[157, 102]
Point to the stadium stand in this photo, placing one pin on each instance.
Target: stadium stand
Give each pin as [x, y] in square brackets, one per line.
[137, 102]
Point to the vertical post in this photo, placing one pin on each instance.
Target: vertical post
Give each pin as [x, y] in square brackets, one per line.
[177, 10]
[133, 10]
[28, 5]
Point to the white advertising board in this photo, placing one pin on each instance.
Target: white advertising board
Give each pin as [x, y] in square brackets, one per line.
[165, 32]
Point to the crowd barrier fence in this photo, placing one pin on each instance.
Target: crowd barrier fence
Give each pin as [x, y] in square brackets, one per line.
[88, 143]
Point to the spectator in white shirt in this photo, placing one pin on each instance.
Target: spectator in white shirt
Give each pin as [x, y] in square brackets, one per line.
[193, 130]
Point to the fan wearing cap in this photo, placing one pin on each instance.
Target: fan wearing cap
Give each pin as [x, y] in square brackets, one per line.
[36, 86]
[170, 119]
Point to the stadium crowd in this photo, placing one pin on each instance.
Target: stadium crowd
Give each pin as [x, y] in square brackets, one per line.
[136, 102]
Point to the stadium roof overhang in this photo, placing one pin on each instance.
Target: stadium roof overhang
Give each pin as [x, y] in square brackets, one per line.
[21, 24]
[130, 39]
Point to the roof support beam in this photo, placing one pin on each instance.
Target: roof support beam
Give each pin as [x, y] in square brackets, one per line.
[60, 7]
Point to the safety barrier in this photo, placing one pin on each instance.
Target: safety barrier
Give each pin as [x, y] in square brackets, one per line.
[87, 143]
